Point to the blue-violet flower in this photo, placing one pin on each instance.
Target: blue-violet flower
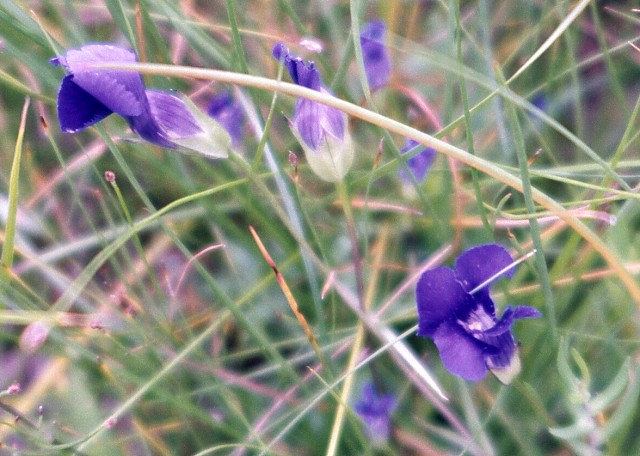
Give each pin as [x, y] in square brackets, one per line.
[420, 163]
[464, 327]
[229, 113]
[321, 130]
[377, 63]
[87, 95]
[375, 411]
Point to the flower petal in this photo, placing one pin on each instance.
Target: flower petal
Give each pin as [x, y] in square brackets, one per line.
[172, 115]
[77, 109]
[504, 349]
[212, 141]
[333, 120]
[301, 73]
[307, 121]
[420, 163]
[507, 373]
[461, 354]
[440, 297]
[502, 326]
[375, 411]
[229, 113]
[120, 91]
[526, 312]
[479, 264]
[332, 158]
[148, 129]
[377, 63]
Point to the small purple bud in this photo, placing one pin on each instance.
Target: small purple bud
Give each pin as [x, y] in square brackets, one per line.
[14, 388]
[293, 159]
[110, 177]
[321, 130]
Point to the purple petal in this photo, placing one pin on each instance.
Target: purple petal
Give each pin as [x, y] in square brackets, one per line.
[377, 63]
[540, 102]
[505, 348]
[148, 129]
[374, 31]
[375, 410]
[280, 52]
[440, 297]
[120, 91]
[172, 115]
[478, 264]
[307, 120]
[420, 163]
[301, 73]
[502, 326]
[373, 403]
[526, 312]
[77, 109]
[461, 354]
[229, 113]
[334, 121]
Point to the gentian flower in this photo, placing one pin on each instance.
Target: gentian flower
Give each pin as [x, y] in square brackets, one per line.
[420, 163]
[375, 411]
[229, 113]
[464, 327]
[377, 63]
[88, 95]
[321, 130]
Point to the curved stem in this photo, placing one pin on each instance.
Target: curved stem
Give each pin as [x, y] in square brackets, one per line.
[399, 128]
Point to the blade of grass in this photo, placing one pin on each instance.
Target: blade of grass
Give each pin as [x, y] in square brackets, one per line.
[290, 298]
[468, 128]
[534, 227]
[14, 180]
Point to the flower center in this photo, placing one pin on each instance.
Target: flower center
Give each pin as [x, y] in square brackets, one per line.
[478, 320]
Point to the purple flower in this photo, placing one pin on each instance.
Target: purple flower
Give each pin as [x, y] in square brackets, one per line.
[377, 63]
[321, 130]
[229, 113]
[88, 95]
[420, 163]
[464, 326]
[375, 411]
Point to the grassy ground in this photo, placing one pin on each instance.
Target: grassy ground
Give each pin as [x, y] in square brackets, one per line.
[141, 316]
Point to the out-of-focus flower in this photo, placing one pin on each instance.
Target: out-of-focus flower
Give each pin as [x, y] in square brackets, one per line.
[375, 411]
[463, 325]
[321, 130]
[420, 163]
[229, 113]
[311, 44]
[88, 94]
[14, 388]
[377, 63]
[33, 336]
